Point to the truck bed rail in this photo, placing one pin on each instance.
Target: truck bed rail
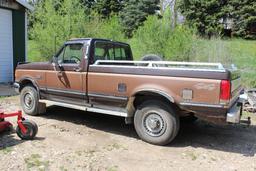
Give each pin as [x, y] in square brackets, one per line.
[199, 66]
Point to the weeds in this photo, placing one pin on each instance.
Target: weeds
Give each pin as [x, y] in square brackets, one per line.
[87, 153]
[115, 146]
[6, 150]
[191, 155]
[62, 168]
[35, 161]
[112, 168]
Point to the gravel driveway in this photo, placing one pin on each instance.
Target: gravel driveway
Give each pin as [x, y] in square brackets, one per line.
[75, 140]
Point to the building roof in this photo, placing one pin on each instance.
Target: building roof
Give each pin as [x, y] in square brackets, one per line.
[25, 4]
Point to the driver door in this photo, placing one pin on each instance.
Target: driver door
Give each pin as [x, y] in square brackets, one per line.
[66, 81]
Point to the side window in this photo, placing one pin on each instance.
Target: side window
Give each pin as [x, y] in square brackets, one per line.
[71, 53]
[110, 51]
[120, 53]
[101, 51]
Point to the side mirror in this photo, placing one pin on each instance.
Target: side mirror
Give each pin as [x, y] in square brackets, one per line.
[54, 60]
[56, 63]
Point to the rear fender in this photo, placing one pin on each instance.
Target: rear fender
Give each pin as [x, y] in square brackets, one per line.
[130, 105]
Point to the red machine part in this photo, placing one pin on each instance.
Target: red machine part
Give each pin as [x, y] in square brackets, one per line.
[26, 129]
[4, 124]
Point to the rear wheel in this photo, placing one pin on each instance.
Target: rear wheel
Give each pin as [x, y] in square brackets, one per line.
[31, 132]
[29, 100]
[156, 122]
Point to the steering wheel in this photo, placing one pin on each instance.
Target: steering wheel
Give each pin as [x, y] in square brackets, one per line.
[76, 59]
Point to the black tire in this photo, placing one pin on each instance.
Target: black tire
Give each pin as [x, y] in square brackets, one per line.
[31, 130]
[29, 100]
[34, 124]
[156, 122]
[151, 57]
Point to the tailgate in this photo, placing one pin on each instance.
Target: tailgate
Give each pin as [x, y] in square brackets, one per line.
[236, 85]
[236, 104]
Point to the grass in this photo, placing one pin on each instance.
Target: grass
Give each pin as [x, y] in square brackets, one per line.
[190, 154]
[112, 168]
[6, 150]
[240, 52]
[35, 162]
[115, 146]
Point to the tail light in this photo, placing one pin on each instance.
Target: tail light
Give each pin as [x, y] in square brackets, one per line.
[225, 90]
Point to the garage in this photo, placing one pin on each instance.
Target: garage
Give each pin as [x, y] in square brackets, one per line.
[13, 36]
[6, 52]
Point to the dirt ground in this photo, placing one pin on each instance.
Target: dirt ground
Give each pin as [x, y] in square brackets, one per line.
[75, 140]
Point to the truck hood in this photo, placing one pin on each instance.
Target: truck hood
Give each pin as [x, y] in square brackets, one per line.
[35, 66]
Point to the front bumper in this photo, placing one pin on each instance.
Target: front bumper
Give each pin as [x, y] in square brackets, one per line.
[16, 87]
[235, 112]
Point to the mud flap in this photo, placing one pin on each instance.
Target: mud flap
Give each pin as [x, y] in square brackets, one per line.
[41, 108]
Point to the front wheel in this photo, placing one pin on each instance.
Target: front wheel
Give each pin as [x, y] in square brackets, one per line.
[29, 100]
[31, 128]
[156, 122]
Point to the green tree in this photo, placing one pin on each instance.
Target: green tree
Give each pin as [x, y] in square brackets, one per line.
[243, 14]
[109, 28]
[135, 12]
[210, 17]
[62, 24]
[203, 15]
[107, 7]
[87, 3]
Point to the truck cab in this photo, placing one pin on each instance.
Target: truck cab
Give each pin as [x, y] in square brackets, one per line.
[68, 81]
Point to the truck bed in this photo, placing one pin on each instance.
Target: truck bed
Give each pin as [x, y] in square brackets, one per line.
[164, 68]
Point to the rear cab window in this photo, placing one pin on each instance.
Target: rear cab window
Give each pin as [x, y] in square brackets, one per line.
[111, 51]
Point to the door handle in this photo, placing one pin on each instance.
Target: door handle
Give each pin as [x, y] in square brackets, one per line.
[59, 73]
[77, 69]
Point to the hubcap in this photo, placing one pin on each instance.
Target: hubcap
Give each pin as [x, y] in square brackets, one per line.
[154, 124]
[28, 100]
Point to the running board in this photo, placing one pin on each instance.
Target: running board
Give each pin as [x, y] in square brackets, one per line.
[85, 108]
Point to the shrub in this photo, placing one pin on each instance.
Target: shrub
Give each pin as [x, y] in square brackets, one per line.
[157, 37]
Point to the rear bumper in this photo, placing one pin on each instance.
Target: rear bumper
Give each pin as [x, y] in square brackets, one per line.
[216, 113]
[235, 112]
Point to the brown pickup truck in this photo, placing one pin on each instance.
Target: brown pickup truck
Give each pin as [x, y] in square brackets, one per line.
[99, 75]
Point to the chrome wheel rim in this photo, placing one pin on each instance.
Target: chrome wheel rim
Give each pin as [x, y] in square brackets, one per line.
[28, 100]
[154, 124]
